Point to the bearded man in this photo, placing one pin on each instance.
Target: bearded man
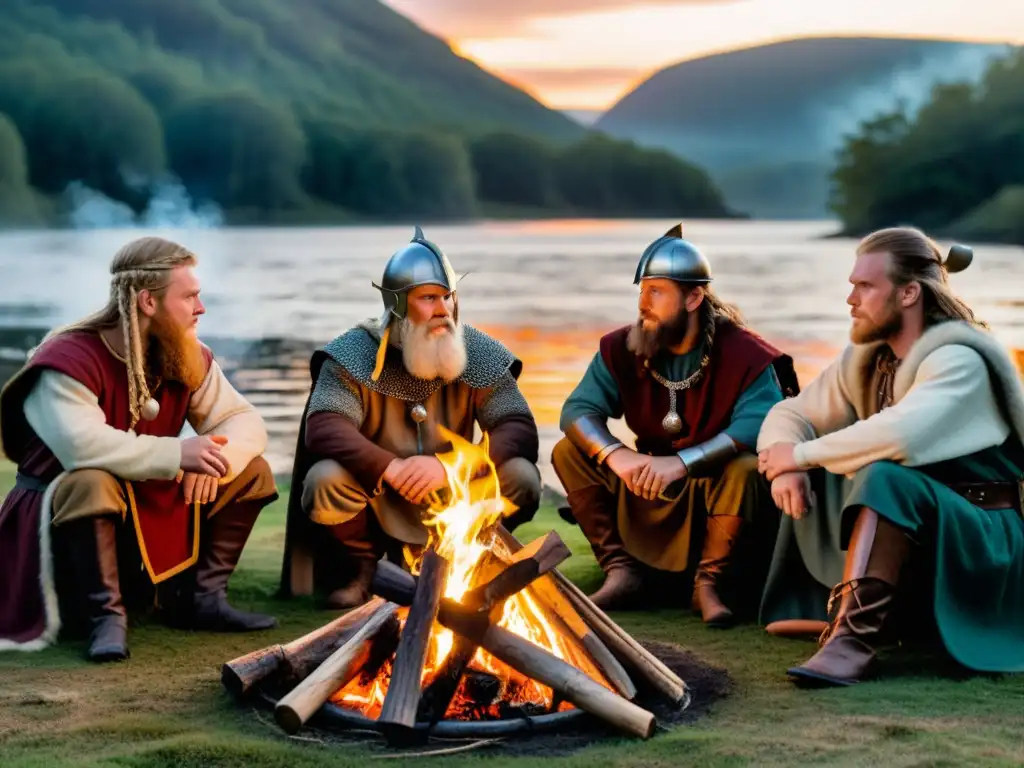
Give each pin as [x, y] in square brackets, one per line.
[694, 385]
[366, 456]
[924, 412]
[94, 421]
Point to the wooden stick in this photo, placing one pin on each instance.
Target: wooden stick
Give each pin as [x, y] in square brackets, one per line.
[399, 585]
[296, 659]
[526, 566]
[625, 648]
[392, 582]
[307, 697]
[547, 669]
[398, 715]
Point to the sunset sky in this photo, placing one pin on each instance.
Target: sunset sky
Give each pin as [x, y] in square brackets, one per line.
[585, 54]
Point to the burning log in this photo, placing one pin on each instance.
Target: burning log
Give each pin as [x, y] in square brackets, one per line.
[622, 644]
[531, 562]
[403, 697]
[393, 583]
[296, 659]
[527, 565]
[536, 663]
[346, 662]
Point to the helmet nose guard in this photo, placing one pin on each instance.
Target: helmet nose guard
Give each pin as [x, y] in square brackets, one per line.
[421, 262]
[673, 258]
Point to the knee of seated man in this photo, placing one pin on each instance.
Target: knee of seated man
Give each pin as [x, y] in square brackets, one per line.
[86, 493]
[90, 479]
[257, 480]
[330, 494]
[882, 472]
[743, 466]
[565, 455]
[520, 483]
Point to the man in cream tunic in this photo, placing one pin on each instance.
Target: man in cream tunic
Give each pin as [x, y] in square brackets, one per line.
[925, 416]
[94, 421]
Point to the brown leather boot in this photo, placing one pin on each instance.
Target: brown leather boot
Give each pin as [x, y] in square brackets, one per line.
[357, 591]
[91, 546]
[874, 559]
[363, 543]
[595, 509]
[220, 549]
[719, 541]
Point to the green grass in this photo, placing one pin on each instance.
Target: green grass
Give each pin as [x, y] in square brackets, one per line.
[166, 707]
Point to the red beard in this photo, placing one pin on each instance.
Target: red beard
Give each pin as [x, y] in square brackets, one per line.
[174, 354]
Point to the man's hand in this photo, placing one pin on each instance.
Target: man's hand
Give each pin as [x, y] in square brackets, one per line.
[202, 455]
[777, 460]
[201, 488]
[627, 466]
[792, 493]
[415, 477]
[660, 472]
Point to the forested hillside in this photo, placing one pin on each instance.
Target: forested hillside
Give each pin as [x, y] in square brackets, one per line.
[957, 166]
[293, 111]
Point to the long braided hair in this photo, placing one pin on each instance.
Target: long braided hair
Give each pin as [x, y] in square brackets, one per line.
[144, 264]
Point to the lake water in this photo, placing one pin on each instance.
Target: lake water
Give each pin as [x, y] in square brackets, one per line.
[547, 289]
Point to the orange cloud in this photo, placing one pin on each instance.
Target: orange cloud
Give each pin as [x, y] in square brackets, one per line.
[485, 19]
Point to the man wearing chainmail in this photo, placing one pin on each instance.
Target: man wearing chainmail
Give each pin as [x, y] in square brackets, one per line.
[365, 461]
[95, 422]
[899, 470]
[693, 385]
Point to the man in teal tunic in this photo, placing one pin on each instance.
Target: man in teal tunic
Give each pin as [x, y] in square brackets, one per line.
[924, 413]
[693, 385]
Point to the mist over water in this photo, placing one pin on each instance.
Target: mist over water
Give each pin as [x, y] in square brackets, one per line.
[169, 207]
[547, 289]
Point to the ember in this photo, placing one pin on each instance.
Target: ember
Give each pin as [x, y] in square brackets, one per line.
[479, 628]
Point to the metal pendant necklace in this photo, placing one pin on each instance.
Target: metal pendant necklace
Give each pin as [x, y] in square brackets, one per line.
[672, 423]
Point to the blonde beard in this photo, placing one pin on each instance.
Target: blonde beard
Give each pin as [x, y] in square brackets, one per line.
[432, 357]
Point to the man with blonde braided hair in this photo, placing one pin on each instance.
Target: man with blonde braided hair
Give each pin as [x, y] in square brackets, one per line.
[900, 472]
[95, 421]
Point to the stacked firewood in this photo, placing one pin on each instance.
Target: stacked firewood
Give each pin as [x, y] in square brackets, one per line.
[316, 666]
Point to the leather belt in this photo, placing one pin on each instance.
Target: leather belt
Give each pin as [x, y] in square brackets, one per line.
[29, 483]
[993, 495]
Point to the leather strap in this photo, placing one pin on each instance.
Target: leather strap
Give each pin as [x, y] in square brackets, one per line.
[993, 495]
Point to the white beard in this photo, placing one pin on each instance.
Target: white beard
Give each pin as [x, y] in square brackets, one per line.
[432, 357]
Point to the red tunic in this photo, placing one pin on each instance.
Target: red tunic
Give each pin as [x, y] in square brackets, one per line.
[166, 527]
[738, 356]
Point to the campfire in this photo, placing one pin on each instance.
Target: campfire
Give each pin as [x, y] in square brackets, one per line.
[476, 634]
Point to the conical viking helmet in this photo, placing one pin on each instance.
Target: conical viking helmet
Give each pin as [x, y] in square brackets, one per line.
[421, 262]
[672, 257]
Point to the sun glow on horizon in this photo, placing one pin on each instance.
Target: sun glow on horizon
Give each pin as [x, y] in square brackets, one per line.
[600, 55]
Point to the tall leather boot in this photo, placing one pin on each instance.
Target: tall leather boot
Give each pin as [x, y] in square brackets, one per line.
[719, 542]
[91, 548]
[363, 543]
[874, 559]
[595, 509]
[220, 549]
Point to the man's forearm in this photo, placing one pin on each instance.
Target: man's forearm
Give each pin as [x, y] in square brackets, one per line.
[333, 436]
[591, 435]
[514, 436]
[218, 408]
[709, 455]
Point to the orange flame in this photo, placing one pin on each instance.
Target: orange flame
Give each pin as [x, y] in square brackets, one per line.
[462, 530]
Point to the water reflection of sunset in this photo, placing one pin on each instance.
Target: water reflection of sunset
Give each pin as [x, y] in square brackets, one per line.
[554, 362]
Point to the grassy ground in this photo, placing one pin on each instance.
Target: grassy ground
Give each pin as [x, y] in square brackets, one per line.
[166, 707]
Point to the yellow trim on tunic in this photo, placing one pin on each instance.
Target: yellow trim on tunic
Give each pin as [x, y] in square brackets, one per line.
[192, 559]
